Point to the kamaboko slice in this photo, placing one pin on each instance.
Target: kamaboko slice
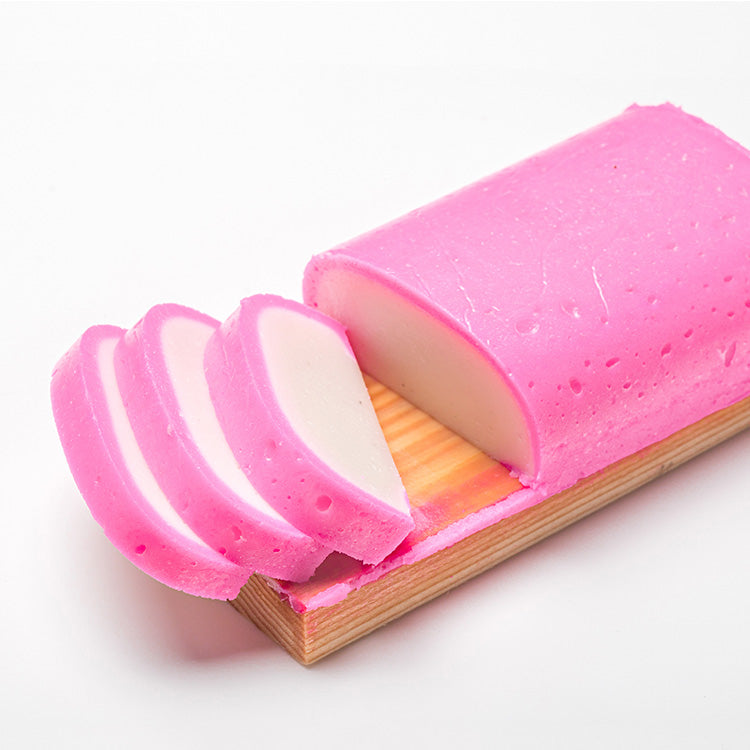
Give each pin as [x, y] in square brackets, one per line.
[115, 480]
[159, 365]
[292, 402]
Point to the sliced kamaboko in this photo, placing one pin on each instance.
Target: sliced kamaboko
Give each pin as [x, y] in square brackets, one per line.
[159, 365]
[115, 480]
[292, 402]
[567, 311]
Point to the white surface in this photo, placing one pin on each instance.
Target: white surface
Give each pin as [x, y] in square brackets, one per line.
[319, 388]
[403, 347]
[184, 341]
[199, 154]
[134, 462]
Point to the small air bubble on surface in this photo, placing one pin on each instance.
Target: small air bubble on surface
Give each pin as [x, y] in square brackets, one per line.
[527, 326]
[569, 307]
[729, 354]
[612, 362]
[140, 549]
[269, 450]
[575, 386]
[688, 333]
[666, 349]
[323, 503]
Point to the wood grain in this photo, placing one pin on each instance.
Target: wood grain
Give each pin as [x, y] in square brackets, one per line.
[446, 479]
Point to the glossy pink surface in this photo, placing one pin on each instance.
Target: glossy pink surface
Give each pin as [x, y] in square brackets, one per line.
[607, 279]
[288, 473]
[248, 536]
[84, 422]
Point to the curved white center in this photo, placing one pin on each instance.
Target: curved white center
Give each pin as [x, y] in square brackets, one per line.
[319, 387]
[135, 463]
[184, 343]
[429, 364]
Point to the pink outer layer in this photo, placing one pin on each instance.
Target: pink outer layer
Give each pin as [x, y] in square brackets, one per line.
[606, 279]
[129, 521]
[218, 515]
[289, 475]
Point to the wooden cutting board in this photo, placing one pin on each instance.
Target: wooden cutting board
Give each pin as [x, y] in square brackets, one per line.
[447, 479]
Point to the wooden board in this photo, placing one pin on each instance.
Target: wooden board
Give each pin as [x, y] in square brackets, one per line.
[446, 479]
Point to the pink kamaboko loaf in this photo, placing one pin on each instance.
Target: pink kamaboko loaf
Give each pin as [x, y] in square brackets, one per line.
[159, 365]
[571, 309]
[290, 397]
[115, 481]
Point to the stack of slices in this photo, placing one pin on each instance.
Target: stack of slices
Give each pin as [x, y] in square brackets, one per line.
[209, 452]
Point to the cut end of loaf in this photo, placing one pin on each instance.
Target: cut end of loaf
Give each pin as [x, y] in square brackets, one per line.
[425, 359]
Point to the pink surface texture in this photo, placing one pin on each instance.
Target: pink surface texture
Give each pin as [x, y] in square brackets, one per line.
[95, 455]
[287, 472]
[243, 527]
[604, 284]
[606, 280]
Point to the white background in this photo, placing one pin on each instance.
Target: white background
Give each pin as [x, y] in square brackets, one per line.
[202, 153]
